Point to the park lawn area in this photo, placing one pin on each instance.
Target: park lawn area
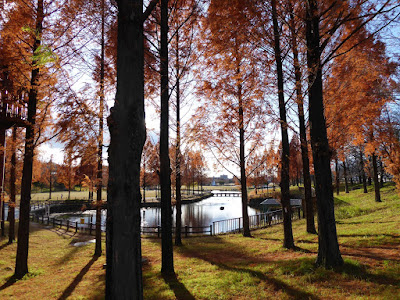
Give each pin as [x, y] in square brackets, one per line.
[84, 194]
[63, 195]
[231, 266]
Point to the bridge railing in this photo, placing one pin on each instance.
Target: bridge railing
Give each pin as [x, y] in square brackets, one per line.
[235, 225]
[13, 109]
[186, 231]
[90, 227]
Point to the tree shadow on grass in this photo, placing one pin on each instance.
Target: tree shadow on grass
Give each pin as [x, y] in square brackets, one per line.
[277, 284]
[353, 270]
[4, 245]
[67, 257]
[360, 271]
[299, 249]
[234, 266]
[370, 235]
[179, 289]
[373, 256]
[8, 283]
[363, 222]
[68, 291]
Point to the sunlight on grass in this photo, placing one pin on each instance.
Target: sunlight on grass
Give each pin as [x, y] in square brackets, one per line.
[231, 266]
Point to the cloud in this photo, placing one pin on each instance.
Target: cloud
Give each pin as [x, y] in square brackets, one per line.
[48, 150]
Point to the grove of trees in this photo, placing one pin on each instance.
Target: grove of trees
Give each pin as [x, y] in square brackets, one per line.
[299, 92]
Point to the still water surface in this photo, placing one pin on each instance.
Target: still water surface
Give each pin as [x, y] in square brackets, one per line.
[199, 214]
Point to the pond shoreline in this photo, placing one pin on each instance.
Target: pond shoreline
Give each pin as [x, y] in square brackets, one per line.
[82, 205]
[185, 200]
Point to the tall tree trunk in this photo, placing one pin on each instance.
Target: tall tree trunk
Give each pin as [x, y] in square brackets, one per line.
[21, 263]
[309, 210]
[376, 179]
[128, 134]
[243, 181]
[242, 156]
[178, 218]
[144, 180]
[97, 251]
[363, 177]
[288, 241]
[11, 206]
[381, 172]
[2, 173]
[167, 258]
[346, 182]
[328, 246]
[337, 175]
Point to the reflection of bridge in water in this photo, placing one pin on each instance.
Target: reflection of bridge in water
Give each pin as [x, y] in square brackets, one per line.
[226, 194]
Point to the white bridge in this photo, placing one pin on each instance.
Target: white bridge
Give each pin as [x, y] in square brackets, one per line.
[226, 193]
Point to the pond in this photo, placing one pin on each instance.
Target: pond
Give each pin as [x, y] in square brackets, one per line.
[199, 214]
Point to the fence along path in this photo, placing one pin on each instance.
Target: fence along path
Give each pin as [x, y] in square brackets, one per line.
[234, 225]
[262, 220]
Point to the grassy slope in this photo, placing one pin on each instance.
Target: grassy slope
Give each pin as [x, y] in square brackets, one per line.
[232, 267]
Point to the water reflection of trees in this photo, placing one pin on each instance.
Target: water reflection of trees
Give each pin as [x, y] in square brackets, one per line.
[196, 216]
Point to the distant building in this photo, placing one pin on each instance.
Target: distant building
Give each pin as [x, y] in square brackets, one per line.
[221, 180]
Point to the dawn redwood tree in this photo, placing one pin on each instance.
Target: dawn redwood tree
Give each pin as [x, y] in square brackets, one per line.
[362, 77]
[309, 209]
[11, 206]
[150, 157]
[328, 246]
[346, 181]
[128, 134]
[98, 251]
[66, 174]
[182, 19]
[231, 122]
[167, 264]
[178, 154]
[35, 31]
[295, 161]
[288, 241]
[376, 180]
[21, 263]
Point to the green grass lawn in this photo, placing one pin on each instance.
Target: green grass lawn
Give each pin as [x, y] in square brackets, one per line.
[230, 266]
[84, 194]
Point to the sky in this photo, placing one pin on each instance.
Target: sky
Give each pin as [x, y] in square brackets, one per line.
[55, 150]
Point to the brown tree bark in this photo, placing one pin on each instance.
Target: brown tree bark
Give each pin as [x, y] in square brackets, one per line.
[328, 246]
[337, 178]
[243, 181]
[288, 241]
[2, 165]
[128, 134]
[167, 258]
[309, 209]
[178, 184]
[21, 263]
[346, 182]
[11, 206]
[97, 251]
[376, 179]
[363, 176]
